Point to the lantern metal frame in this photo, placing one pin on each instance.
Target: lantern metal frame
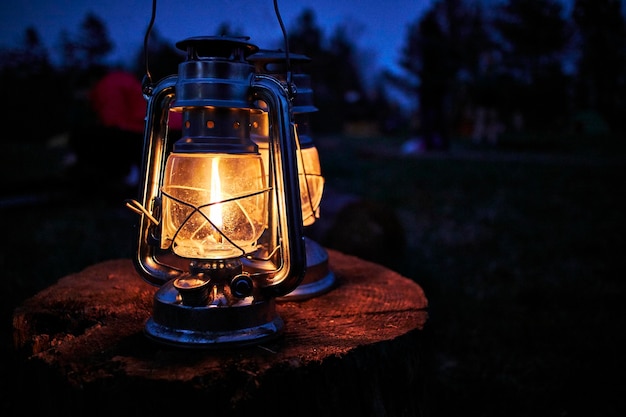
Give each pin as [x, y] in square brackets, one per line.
[319, 278]
[216, 74]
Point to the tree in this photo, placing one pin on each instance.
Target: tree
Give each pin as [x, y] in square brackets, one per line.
[343, 75]
[306, 37]
[163, 58]
[440, 55]
[334, 70]
[534, 36]
[30, 59]
[89, 47]
[601, 78]
[435, 71]
[30, 81]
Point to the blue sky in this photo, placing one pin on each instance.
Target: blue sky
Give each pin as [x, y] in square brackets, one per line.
[379, 27]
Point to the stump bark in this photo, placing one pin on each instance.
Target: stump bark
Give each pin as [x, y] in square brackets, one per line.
[354, 351]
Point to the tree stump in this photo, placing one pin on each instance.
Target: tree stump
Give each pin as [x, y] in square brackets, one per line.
[354, 351]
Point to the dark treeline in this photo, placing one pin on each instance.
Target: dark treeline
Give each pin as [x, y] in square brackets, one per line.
[520, 66]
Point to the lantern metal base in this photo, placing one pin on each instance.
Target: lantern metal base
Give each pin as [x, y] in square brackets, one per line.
[318, 278]
[175, 324]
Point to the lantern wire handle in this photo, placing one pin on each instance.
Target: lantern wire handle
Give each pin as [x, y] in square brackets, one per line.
[287, 60]
[147, 79]
[136, 206]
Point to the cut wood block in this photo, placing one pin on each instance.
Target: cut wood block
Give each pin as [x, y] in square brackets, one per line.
[353, 351]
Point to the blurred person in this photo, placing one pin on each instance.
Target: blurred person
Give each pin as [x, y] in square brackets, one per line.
[108, 139]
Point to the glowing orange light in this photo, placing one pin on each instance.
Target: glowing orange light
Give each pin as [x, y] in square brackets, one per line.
[215, 210]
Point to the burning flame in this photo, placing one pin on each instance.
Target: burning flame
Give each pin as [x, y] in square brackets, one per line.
[215, 210]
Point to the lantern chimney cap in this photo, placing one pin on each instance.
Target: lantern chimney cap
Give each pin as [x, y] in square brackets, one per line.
[277, 55]
[217, 46]
[275, 61]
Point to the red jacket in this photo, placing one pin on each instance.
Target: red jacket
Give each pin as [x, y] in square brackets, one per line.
[118, 101]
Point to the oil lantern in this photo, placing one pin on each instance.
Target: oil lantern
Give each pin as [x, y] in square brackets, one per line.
[220, 229]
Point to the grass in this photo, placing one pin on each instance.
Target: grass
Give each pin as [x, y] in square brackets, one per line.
[520, 253]
[520, 250]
